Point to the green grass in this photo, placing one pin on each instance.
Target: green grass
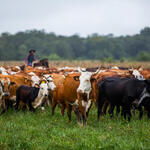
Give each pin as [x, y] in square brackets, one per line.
[40, 131]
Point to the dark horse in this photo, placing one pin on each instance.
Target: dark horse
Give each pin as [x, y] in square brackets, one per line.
[43, 62]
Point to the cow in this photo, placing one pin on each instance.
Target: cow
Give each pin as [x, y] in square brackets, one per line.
[86, 93]
[58, 98]
[122, 92]
[103, 74]
[65, 94]
[31, 95]
[5, 85]
[8, 86]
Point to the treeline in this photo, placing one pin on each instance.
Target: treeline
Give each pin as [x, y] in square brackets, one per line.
[93, 47]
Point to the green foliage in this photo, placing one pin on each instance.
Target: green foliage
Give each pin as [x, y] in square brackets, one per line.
[93, 47]
[108, 59]
[54, 57]
[41, 131]
[143, 56]
[122, 59]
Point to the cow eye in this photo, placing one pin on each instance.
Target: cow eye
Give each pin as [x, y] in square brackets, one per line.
[76, 78]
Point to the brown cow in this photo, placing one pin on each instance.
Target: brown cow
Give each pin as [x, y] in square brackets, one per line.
[65, 95]
[8, 87]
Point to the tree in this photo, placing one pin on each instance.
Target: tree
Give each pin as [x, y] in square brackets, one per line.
[143, 56]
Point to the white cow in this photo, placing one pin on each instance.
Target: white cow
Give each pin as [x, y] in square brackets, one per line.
[42, 94]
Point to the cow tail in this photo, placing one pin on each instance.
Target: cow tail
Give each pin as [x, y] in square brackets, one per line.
[100, 98]
[17, 98]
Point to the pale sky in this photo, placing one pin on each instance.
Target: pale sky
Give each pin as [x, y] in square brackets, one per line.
[68, 17]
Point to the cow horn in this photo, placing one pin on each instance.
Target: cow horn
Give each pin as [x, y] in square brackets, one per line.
[97, 71]
[65, 74]
[79, 70]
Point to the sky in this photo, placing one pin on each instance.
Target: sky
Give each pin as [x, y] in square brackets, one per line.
[68, 17]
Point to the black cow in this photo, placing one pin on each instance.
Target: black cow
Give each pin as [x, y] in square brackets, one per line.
[122, 92]
[27, 95]
[31, 95]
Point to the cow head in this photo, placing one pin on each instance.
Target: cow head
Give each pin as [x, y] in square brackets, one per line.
[50, 82]
[35, 81]
[85, 83]
[136, 74]
[145, 94]
[43, 89]
[5, 84]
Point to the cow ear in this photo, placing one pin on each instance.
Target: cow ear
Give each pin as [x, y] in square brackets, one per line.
[92, 79]
[37, 85]
[12, 83]
[42, 81]
[76, 78]
[130, 71]
[147, 81]
[25, 80]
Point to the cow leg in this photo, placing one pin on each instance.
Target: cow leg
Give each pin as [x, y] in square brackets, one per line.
[126, 111]
[84, 119]
[17, 103]
[69, 109]
[9, 103]
[30, 106]
[140, 112]
[47, 102]
[3, 106]
[87, 113]
[148, 114]
[62, 109]
[129, 114]
[100, 106]
[123, 112]
[3, 111]
[54, 103]
[118, 110]
[111, 110]
[106, 104]
[78, 114]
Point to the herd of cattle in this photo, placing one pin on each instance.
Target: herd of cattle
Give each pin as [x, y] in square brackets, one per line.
[76, 89]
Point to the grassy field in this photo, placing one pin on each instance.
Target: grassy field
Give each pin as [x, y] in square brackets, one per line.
[86, 63]
[40, 131]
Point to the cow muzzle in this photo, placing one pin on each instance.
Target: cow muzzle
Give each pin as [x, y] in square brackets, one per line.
[80, 91]
[6, 94]
[46, 95]
[135, 104]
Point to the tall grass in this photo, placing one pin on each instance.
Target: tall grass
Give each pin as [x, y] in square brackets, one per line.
[41, 131]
